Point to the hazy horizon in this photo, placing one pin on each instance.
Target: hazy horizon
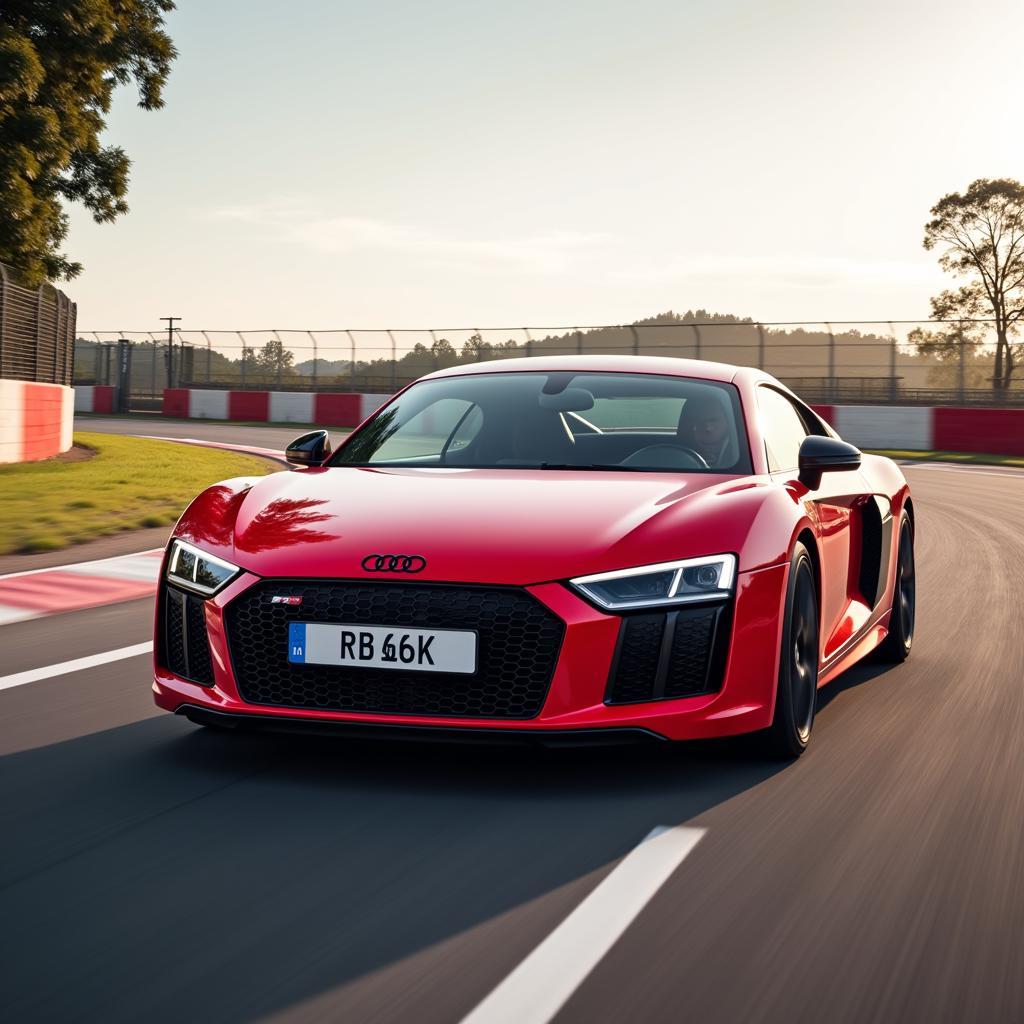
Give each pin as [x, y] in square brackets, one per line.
[331, 165]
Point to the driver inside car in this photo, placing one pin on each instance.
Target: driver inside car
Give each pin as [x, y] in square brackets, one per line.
[703, 426]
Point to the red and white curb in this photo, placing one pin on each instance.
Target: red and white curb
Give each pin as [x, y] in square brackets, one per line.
[68, 588]
[330, 409]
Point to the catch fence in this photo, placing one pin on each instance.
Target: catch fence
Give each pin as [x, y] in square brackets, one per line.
[842, 363]
[37, 332]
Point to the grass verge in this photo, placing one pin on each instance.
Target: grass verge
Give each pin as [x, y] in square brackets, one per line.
[965, 457]
[130, 483]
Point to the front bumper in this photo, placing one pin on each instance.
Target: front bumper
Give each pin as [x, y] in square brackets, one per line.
[575, 701]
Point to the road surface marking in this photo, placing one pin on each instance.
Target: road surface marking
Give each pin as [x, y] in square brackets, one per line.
[540, 986]
[975, 470]
[102, 565]
[33, 675]
[8, 613]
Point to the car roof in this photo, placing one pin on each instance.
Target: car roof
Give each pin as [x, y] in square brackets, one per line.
[701, 369]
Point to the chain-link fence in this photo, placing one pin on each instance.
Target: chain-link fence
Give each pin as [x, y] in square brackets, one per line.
[824, 362]
[37, 332]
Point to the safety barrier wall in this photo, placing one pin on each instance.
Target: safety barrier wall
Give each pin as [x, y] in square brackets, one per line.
[94, 398]
[35, 420]
[327, 409]
[904, 428]
[914, 428]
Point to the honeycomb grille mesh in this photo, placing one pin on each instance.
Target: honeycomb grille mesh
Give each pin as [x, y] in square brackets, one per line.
[174, 651]
[639, 655]
[646, 668]
[689, 660]
[518, 647]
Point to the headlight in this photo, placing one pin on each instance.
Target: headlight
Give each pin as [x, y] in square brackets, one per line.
[195, 570]
[647, 586]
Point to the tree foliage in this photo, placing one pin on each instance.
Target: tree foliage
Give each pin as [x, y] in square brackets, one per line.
[60, 62]
[979, 235]
[275, 360]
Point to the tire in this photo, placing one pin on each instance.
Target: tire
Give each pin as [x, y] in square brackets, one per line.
[799, 660]
[896, 646]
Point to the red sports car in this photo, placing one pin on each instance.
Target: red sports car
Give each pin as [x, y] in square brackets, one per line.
[582, 548]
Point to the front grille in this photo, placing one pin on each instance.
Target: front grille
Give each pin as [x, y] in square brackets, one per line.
[186, 648]
[519, 641]
[667, 655]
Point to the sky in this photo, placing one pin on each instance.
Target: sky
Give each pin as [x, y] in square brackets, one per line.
[328, 164]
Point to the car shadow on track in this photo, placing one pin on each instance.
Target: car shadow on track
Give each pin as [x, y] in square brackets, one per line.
[867, 671]
[169, 869]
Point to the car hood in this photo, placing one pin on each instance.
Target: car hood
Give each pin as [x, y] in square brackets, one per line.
[470, 525]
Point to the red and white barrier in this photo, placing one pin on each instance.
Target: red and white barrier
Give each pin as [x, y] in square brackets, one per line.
[35, 420]
[920, 428]
[904, 428]
[328, 409]
[94, 398]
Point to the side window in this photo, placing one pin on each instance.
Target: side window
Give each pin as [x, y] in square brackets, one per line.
[783, 429]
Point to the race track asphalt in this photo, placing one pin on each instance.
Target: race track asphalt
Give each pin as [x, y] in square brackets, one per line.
[154, 871]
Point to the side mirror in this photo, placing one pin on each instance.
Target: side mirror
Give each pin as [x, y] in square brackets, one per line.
[820, 454]
[312, 449]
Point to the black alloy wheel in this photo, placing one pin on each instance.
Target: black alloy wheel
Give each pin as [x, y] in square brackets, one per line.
[896, 646]
[797, 694]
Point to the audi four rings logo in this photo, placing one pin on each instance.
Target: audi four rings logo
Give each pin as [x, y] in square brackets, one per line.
[394, 563]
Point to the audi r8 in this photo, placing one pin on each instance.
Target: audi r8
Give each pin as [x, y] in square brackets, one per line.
[582, 548]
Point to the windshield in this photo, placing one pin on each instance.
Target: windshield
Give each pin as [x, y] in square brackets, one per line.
[514, 420]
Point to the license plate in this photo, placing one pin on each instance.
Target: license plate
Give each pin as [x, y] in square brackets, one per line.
[418, 650]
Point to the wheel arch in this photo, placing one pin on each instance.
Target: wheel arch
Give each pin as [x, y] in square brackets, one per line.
[908, 504]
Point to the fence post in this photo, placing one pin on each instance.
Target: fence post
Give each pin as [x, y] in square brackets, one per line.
[529, 341]
[280, 357]
[892, 363]
[394, 363]
[3, 314]
[152, 366]
[241, 337]
[70, 327]
[312, 338]
[961, 369]
[578, 335]
[831, 363]
[696, 335]
[352, 342]
[39, 326]
[209, 355]
[760, 346]
[56, 331]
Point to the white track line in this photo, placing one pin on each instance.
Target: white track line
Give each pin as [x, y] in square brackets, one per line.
[540, 986]
[84, 567]
[1010, 473]
[33, 675]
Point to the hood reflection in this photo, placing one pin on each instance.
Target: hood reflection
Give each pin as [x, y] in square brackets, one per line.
[285, 521]
[211, 520]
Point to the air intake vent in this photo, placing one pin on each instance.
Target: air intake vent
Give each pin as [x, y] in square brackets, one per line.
[186, 648]
[669, 655]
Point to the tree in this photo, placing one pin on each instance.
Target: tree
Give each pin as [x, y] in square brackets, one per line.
[276, 360]
[60, 62]
[980, 236]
